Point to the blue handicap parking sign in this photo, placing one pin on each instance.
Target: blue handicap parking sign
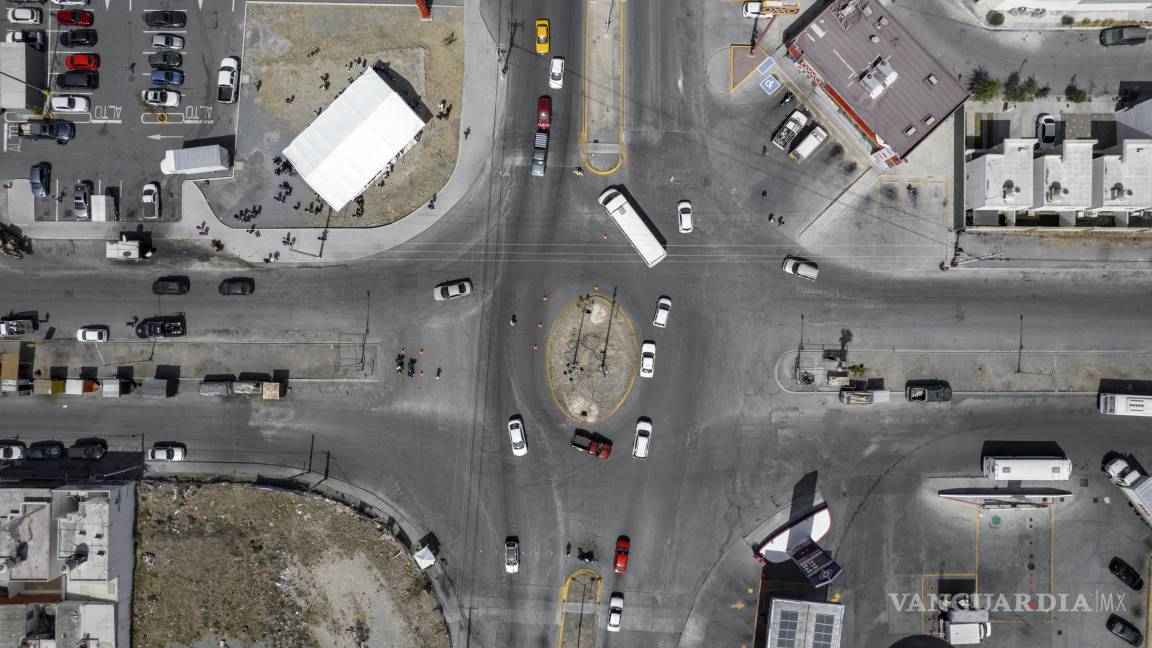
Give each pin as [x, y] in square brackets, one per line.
[766, 65]
[770, 84]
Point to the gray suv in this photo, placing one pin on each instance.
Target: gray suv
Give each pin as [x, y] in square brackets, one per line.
[40, 178]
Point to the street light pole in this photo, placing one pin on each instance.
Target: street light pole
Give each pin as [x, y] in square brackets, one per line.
[608, 335]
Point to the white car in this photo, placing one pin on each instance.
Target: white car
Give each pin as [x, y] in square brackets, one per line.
[151, 201]
[615, 611]
[643, 438]
[168, 41]
[11, 452]
[512, 555]
[556, 73]
[516, 436]
[663, 307]
[752, 9]
[684, 212]
[1045, 130]
[161, 98]
[647, 359]
[801, 268]
[71, 3]
[92, 334]
[228, 80]
[25, 16]
[165, 452]
[452, 289]
[68, 104]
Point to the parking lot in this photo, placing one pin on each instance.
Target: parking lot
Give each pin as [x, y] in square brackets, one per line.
[119, 139]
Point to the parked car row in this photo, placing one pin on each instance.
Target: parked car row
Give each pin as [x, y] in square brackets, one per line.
[166, 62]
[92, 449]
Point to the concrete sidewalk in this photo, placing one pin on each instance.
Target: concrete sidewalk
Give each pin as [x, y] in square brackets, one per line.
[604, 52]
[484, 90]
[1074, 372]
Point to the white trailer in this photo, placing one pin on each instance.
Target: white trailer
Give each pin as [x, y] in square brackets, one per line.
[125, 250]
[1028, 468]
[198, 159]
[104, 209]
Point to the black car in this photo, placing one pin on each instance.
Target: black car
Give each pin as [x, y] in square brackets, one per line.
[40, 178]
[174, 285]
[90, 448]
[237, 286]
[78, 80]
[78, 38]
[1125, 573]
[33, 38]
[160, 327]
[175, 19]
[46, 451]
[1132, 35]
[928, 391]
[61, 131]
[166, 60]
[1120, 627]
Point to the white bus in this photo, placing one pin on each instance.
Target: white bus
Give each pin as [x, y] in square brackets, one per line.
[1028, 468]
[1124, 404]
[638, 233]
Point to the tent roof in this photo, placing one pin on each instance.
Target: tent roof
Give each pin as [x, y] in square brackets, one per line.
[352, 141]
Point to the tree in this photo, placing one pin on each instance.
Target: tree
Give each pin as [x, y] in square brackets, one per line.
[1076, 94]
[983, 86]
[995, 18]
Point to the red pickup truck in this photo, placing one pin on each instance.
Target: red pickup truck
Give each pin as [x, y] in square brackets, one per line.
[592, 443]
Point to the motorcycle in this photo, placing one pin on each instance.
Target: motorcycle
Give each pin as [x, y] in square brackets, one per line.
[788, 97]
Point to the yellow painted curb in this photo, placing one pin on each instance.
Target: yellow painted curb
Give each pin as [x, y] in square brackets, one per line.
[564, 598]
[623, 107]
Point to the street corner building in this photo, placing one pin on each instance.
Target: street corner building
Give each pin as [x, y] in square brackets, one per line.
[878, 75]
[352, 142]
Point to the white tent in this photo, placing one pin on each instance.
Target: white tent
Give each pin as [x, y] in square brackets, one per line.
[353, 140]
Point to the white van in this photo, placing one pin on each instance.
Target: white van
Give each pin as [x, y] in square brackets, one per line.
[1124, 404]
[809, 144]
[1028, 468]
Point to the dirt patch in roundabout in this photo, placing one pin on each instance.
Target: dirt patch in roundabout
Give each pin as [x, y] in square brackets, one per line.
[593, 357]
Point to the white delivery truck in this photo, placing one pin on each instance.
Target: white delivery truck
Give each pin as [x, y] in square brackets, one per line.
[1124, 404]
[1028, 468]
[1135, 485]
[809, 144]
[104, 209]
[198, 159]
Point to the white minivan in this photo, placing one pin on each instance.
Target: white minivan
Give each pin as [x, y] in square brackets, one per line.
[1028, 468]
[643, 438]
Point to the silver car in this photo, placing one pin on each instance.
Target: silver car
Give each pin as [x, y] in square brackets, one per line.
[516, 436]
[800, 267]
[511, 555]
[452, 289]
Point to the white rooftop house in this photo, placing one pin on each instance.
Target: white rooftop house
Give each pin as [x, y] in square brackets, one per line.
[1063, 181]
[1122, 183]
[1000, 182]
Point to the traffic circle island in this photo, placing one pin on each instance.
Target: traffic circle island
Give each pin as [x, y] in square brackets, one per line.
[591, 359]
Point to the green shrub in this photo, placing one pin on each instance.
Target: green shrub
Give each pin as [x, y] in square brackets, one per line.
[995, 18]
[983, 86]
[1075, 94]
[1067, 20]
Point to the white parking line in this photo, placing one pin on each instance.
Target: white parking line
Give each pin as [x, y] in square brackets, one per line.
[166, 31]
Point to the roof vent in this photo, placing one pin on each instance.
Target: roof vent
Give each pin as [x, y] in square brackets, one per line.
[931, 80]
[874, 38]
[910, 130]
[882, 23]
[929, 120]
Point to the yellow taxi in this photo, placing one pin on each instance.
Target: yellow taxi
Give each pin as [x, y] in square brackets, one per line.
[542, 38]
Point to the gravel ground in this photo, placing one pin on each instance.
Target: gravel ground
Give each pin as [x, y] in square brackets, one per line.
[233, 565]
[575, 351]
[288, 54]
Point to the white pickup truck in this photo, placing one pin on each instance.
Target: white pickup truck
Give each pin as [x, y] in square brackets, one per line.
[789, 130]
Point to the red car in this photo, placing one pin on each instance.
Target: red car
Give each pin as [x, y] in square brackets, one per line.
[623, 545]
[544, 112]
[74, 18]
[82, 62]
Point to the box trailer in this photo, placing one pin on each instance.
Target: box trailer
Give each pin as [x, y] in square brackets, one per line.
[79, 386]
[127, 250]
[104, 209]
[11, 379]
[156, 388]
[1135, 485]
[198, 159]
[47, 386]
[1028, 468]
[115, 387]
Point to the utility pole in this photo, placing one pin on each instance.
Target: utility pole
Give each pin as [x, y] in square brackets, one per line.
[608, 335]
[504, 54]
[1020, 350]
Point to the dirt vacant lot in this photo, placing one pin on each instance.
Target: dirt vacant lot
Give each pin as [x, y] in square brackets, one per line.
[250, 566]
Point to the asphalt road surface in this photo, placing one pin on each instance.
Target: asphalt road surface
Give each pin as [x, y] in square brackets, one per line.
[728, 445]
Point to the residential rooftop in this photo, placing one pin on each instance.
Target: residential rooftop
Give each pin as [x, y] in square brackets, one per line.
[1064, 177]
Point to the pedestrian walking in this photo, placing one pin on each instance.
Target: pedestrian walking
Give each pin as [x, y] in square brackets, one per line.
[764, 195]
[467, 132]
[765, 151]
[513, 321]
[438, 370]
[771, 216]
[780, 221]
